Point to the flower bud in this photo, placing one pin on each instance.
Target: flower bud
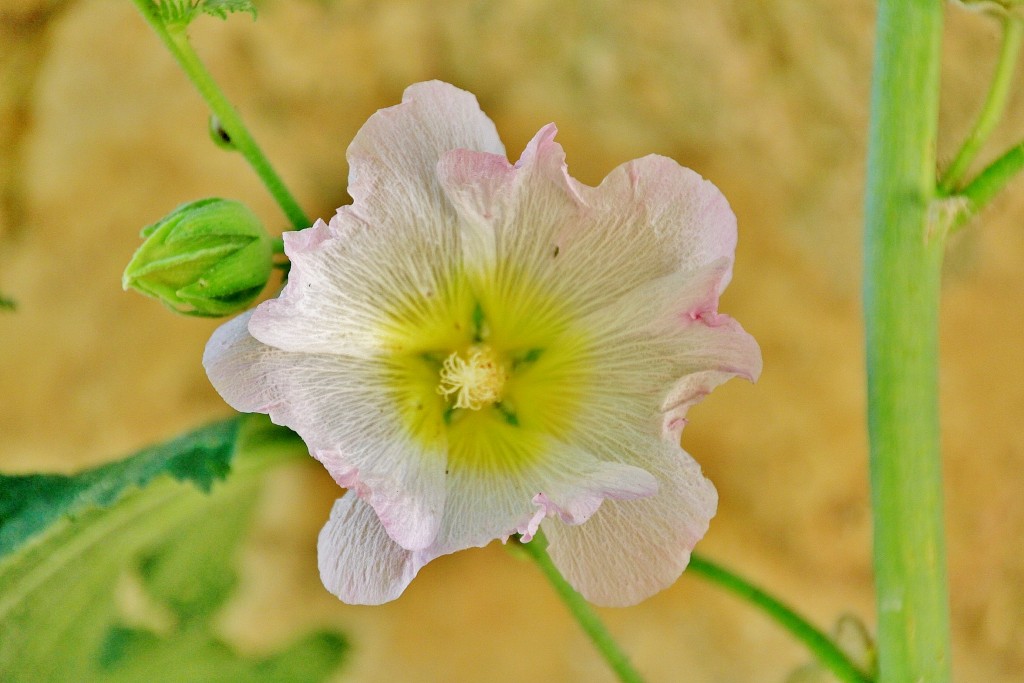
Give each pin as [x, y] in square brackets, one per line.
[219, 136]
[209, 257]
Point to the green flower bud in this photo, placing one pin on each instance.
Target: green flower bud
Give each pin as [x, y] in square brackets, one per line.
[210, 257]
[220, 136]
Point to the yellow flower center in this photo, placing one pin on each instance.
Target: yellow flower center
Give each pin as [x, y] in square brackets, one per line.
[488, 368]
[475, 379]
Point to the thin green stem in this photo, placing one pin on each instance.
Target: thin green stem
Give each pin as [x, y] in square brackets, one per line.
[987, 184]
[177, 42]
[995, 104]
[827, 652]
[582, 611]
[902, 262]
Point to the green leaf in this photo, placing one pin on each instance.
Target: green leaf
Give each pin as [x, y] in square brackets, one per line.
[175, 13]
[178, 14]
[222, 8]
[167, 571]
[142, 656]
[165, 519]
[7, 304]
[33, 503]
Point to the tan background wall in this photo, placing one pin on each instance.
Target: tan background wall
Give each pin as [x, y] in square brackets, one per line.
[100, 134]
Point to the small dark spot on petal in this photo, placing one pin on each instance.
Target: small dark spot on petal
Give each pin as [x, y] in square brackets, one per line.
[557, 250]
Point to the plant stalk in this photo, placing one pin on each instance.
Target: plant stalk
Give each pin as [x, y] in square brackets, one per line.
[987, 184]
[995, 104]
[582, 611]
[823, 648]
[902, 261]
[177, 42]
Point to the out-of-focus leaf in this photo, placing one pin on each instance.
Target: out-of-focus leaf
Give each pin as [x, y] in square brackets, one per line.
[179, 13]
[192, 655]
[32, 504]
[222, 8]
[164, 518]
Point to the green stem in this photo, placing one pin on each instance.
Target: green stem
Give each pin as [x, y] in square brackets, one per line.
[987, 184]
[902, 262]
[827, 652]
[582, 611]
[995, 104]
[176, 40]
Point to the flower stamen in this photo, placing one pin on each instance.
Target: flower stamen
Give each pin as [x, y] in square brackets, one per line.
[476, 380]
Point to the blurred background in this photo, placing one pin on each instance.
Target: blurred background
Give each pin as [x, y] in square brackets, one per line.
[100, 134]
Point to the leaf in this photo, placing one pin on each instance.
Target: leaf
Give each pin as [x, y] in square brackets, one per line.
[175, 13]
[7, 304]
[222, 8]
[192, 656]
[180, 13]
[68, 542]
[33, 503]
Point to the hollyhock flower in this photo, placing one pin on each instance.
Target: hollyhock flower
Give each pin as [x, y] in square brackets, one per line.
[476, 349]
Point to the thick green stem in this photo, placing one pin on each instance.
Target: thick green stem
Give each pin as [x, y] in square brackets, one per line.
[995, 104]
[176, 40]
[582, 612]
[817, 642]
[902, 260]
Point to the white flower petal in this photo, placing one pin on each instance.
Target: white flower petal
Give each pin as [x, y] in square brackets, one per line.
[318, 311]
[575, 491]
[395, 246]
[483, 508]
[631, 549]
[522, 208]
[480, 187]
[545, 202]
[647, 219]
[351, 285]
[589, 246]
[401, 480]
[562, 480]
[662, 304]
[393, 157]
[712, 353]
[232, 359]
[342, 409]
[358, 561]
[663, 347]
